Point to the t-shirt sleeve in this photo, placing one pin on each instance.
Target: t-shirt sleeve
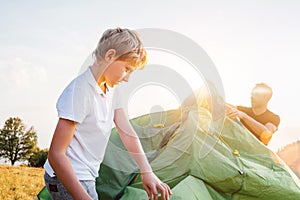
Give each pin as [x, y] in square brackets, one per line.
[276, 120]
[73, 103]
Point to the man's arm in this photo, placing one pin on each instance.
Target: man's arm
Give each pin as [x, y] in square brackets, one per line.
[262, 131]
[132, 143]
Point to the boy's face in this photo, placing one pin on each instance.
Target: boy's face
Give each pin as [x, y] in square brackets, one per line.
[117, 72]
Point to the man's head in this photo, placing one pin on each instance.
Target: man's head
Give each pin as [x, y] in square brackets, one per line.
[122, 45]
[261, 94]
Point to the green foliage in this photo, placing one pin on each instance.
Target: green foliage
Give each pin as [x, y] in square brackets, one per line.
[16, 143]
[38, 158]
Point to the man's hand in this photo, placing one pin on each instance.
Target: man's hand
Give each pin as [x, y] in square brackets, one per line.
[152, 184]
[232, 112]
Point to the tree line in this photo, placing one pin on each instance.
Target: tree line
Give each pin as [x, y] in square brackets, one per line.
[17, 143]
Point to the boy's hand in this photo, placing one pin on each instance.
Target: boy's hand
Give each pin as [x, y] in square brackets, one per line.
[152, 184]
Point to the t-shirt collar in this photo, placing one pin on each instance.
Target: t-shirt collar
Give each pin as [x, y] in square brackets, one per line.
[91, 79]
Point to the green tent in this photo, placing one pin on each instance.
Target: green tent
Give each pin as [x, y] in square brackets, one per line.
[196, 163]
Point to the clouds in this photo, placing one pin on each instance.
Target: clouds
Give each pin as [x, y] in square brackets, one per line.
[18, 75]
[43, 45]
[22, 86]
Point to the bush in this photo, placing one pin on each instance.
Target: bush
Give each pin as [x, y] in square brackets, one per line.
[38, 158]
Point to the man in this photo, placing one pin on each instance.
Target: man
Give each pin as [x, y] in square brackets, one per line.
[257, 119]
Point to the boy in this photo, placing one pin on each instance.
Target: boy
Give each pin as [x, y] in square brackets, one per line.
[86, 110]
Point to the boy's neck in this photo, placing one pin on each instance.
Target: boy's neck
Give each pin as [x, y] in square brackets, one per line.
[97, 70]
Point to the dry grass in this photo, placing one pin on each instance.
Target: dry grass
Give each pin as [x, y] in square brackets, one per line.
[18, 182]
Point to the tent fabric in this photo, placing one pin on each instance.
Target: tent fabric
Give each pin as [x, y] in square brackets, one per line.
[189, 188]
[254, 173]
[235, 164]
[44, 194]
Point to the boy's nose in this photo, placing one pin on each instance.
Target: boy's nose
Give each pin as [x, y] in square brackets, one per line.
[126, 78]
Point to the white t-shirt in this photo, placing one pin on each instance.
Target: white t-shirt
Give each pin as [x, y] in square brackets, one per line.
[85, 103]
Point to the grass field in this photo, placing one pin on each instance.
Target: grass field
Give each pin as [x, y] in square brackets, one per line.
[18, 182]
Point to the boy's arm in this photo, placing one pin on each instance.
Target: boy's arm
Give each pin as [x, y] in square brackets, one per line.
[60, 163]
[132, 143]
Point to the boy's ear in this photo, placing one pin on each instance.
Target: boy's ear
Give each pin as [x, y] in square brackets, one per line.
[110, 55]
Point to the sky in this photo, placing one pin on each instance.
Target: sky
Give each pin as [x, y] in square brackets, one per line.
[44, 44]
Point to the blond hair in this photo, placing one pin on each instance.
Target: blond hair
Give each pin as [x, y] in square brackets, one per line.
[267, 88]
[127, 45]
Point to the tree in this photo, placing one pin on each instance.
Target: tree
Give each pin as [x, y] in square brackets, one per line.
[16, 143]
[38, 158]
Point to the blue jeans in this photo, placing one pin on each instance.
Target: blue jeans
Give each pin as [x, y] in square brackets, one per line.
[59, 192]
